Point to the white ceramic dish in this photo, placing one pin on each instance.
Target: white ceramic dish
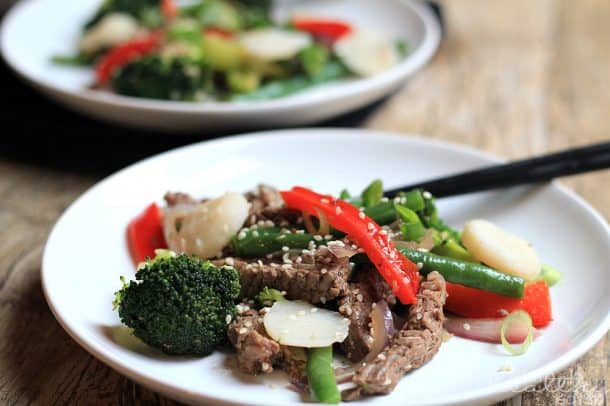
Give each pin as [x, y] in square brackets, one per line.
[86, 253]
[35, 30]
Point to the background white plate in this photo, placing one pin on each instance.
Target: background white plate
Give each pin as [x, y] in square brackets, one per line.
[86, 253]
[35, 30]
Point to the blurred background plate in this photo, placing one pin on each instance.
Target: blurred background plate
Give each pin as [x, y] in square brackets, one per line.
[35, 30]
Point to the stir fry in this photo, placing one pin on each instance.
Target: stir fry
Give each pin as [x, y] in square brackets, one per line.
[227, 50]
[291, 278]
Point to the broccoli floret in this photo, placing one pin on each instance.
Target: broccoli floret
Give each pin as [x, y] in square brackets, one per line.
[147, 11]
[267, 297]
[180, 304]
[155, 77]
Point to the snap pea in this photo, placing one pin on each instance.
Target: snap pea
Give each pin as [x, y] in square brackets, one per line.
[452, 249]
[467, 273]
[321, 375]
[262, 241]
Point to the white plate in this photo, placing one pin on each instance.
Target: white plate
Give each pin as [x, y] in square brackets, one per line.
[35, 30]
[86, 253]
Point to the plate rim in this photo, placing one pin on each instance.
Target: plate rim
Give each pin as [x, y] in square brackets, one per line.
[411, 64]
[491, 392]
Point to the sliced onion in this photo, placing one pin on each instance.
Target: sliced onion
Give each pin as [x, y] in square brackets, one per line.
[490, 330]
[322, 229]
[427, 242]
[311, 229]
[382, 329]
[341, 250]
[521, 319]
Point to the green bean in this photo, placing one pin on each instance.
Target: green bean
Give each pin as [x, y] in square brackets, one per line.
[321, 375]
[262, 241]
[467, 273]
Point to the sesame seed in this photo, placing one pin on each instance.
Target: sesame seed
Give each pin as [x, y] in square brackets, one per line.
[381, 356]
[328, 237]
[260, 263]
[322, 299]
[229, 261]
[228, 318]
[323, 271]
[269, 256]
[241, 235]
[324, 200]
[248, 323]
[420, 265]
[285, 248]
[427, 195]
[361, 215]
[265, 366]
[466, 326]
[317, 237]
[383, 232]
[359, 297]
[286, 258]
[311, 245]
[243, 330]
[299, 260]
[281, 237]
[274, 265]
[300, 231]
[338, 210]
[370, 226]
[255, 233]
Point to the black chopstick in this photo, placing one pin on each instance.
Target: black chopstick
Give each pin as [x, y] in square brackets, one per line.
[533, 170]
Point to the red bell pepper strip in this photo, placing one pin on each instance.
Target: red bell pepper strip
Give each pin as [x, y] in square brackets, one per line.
[326, 29]
[401, 274]
[476, 303]
[169, 9]
[123, 54]
[145, 234]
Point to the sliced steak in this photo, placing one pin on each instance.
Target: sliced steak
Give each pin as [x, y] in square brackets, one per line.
[316, 276]
[417, 342]
[356, 305]
[256, 352]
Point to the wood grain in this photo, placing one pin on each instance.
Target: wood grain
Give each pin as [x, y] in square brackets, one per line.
[513, 78]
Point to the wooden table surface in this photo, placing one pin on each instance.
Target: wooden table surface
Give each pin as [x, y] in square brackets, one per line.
[513, 78]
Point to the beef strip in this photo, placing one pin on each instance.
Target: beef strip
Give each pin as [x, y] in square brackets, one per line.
[266, 204]
[417, 342]
[356, 305]
[317, 277]
[256, 352]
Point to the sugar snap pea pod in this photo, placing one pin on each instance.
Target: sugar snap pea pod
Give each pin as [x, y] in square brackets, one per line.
[467, 273]
[321, 375]
[262, 241]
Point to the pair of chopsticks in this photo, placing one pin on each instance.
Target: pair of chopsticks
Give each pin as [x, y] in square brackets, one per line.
[533, 170]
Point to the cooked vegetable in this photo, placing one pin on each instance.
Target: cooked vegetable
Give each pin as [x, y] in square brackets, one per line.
[411, 228]
[382, 329]
[243, 81]
[160, 78]
[179, 304]
[366, 53]
[467, 273]
[520, 318]
[301, 324]
[549, 274]
[372, 194]
[218, 14]
[321, 375]
[489, 330]
[452, 249]
[221, 52]
[500, 249]
[328, 30]
[400, 273]
[204, 229]
[274, 44]
[145, 234]
[169, 9]
[124, 54]
[313, 59]
[285, 87]
[112, 30]
[138, 9]
[267, 297]
[259, 242]
[476, 303]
